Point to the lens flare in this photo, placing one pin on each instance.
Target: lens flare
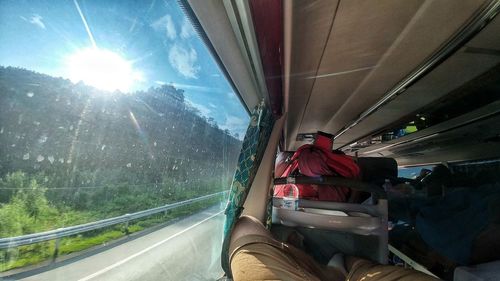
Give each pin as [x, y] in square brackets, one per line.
[103, 69]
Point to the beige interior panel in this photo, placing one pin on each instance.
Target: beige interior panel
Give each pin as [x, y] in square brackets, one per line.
[320, 108]
[363, 31]
[447, 77]
[361, 34]
[342, 56]
[434, 23]
[414, 31]
[310, 23]
[450, 75]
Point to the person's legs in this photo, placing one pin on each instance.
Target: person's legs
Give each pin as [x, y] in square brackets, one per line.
[261, 261]
[256, 255]
[361, 269]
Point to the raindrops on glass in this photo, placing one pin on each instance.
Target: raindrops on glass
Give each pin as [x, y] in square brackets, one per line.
[43, 139]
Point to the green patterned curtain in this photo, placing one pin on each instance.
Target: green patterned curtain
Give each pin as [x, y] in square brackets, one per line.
[269, 210]
[252, 150]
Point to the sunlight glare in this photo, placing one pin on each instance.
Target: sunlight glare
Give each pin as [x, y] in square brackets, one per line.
[103, 69]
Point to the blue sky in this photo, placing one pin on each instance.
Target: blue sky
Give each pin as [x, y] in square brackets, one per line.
[154, 36]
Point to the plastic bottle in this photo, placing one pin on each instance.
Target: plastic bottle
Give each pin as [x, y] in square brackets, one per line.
[387, 185]
[291, 200]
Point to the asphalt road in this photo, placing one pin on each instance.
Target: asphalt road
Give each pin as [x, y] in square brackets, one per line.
[187, 250]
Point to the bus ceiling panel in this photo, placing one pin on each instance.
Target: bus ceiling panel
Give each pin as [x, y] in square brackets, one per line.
[371, 28]
[306, 28]
[320, 107]
[477, 20]
[451, 77]
[383, 50]
[215, 21]
[432, 25]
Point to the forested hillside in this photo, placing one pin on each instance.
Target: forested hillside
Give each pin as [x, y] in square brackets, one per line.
[104, 153]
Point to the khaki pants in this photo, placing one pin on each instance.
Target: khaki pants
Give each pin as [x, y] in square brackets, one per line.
[263, 258]
[364, 270]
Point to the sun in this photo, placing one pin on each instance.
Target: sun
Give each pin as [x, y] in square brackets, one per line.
[103, 69]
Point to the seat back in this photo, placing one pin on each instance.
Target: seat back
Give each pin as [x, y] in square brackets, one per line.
[360, 220]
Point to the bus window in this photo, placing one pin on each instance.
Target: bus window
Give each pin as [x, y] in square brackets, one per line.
[109, 108]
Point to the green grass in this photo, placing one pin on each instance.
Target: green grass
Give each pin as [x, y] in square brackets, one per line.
[21, 262]
[76, 244]
[25, 255]
[32, 254]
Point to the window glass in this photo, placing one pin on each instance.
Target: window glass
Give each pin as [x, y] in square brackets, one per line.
[414, 172]
[109, 108]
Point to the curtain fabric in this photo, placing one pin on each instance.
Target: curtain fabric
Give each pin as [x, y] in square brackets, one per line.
[252, 150]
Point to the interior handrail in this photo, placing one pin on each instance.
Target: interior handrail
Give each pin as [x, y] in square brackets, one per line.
[377, 192]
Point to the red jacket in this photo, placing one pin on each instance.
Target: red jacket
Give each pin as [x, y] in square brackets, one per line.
[319, 160]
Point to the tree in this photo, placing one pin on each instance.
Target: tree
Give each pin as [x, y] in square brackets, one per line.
[28, 204]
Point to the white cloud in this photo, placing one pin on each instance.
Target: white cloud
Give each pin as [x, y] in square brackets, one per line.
[235, 125]
[191, 87]
[184, 61]
[36, 19]
[187, 29]
[197, 88]
[212, 105]
[234, 122]
[204, 111]
[171, 32]
[165, 23]
[159, 24]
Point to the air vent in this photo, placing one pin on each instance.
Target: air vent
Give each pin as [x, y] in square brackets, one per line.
[308, 137]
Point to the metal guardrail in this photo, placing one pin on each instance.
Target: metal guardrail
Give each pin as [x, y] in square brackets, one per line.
[72, 230]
